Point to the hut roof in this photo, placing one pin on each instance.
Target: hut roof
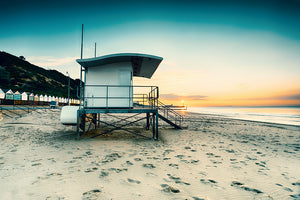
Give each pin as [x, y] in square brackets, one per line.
[8, 91]
[143, 65]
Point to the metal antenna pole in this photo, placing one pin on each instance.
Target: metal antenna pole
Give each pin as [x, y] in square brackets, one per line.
[95, 49]
[81, 42]
[68, 89]
[80, 65]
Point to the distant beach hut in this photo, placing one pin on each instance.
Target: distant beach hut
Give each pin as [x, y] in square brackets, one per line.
[41, 98]
[2, 94]
[31, 97]
[17, 95]
[45, 99]
[36, 97]
[59, 100]
[24, 96]
[9, 95]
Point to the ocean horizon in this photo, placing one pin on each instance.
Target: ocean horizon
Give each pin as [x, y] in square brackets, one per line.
[289, 115]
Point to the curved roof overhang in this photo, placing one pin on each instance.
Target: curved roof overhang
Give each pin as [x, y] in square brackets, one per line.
[143, 65]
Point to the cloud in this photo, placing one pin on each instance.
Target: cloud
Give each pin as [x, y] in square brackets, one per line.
[49, 61]
[182, 97]
[290, 97]
[286, 97]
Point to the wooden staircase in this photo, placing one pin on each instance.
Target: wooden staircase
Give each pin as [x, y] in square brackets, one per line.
[167, 114]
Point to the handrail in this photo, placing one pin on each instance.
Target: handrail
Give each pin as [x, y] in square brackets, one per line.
[167, 111]
[110, 94]
[129, 99]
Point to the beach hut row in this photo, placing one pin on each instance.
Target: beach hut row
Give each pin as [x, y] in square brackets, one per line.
[9, 97]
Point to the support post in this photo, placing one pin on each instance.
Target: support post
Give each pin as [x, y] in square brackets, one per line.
[156, 125]
[153, 125]
[78, 121]
[148, 121]
[83, 124]
[98, 120]
[94, 120]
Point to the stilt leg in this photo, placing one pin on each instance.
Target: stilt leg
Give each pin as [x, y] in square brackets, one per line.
[78, 121]
[94, 120]
[153, 125]
[156, 126]
[98, 120]
[82, 122]
[148, 121]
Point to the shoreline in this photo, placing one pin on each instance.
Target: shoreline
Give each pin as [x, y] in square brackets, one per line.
[246, 120]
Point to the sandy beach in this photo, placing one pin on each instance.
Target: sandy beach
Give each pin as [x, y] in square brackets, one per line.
[214, 158]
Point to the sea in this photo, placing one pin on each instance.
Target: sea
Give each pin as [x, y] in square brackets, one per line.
[281, 115]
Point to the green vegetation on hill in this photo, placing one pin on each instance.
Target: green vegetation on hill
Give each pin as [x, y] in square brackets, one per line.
[18, 74]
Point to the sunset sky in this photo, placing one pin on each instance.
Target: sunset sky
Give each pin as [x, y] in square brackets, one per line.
[216, 53]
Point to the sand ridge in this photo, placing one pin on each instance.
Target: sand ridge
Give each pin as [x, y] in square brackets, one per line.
[215, 158]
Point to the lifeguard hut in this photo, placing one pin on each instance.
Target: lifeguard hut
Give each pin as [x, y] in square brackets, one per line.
[108, 79]
[107, 87]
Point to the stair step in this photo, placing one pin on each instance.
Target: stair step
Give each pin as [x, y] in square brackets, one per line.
[169, 122]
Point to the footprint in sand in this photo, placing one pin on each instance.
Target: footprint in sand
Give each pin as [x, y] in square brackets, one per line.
[49, 175]
[36, 164]
[91, 169]
[133, 181]
[182, 182]
[92, 194]
[118, 170]
[230, 151]
[129, 163]
[173, 177]
[174, 165]
[150, 166]
[210, 154]
[54, 197]
[241, 186]
[177, 180]
[167, 151]
[169, 189]
[196, 198]
[111, 157]
[180, 156]
[208, 181]
[103, 174]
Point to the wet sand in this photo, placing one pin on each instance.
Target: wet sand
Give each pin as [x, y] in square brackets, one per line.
[214, 158]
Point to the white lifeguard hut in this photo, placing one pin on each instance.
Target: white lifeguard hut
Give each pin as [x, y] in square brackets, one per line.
[107, 87]
[108, 79]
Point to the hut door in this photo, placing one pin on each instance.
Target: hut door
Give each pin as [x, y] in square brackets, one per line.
[125, 78]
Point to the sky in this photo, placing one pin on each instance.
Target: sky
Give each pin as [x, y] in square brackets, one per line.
[216, 53]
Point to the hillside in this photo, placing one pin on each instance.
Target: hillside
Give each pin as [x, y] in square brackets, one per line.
[18, 74]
